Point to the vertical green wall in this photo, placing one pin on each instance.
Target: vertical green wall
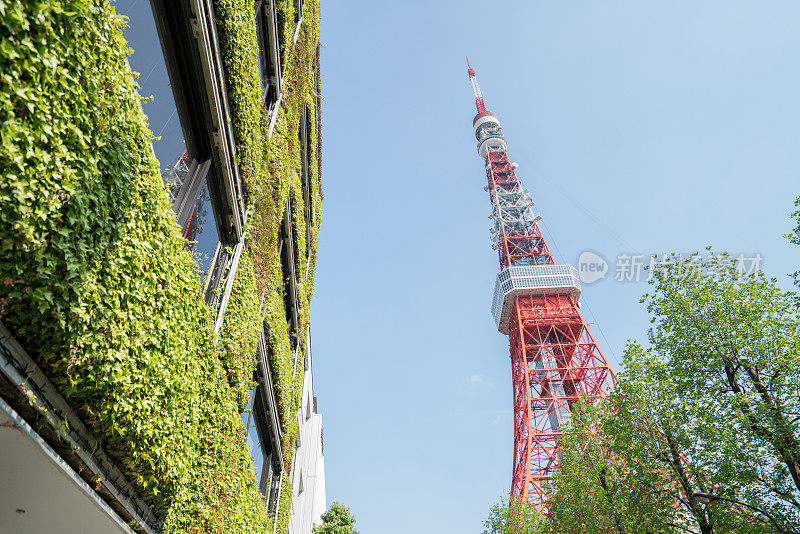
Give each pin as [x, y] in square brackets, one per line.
[95, 281]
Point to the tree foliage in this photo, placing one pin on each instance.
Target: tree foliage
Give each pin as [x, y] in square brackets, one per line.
[515, 518]
[337, 520]
[794, 235]
[726, 357]
[613, 475]
[710, 406]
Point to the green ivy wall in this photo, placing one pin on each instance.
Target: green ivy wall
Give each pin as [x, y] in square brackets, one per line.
[95, 280]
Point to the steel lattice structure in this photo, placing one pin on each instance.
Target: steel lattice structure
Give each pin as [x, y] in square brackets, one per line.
[554, 359]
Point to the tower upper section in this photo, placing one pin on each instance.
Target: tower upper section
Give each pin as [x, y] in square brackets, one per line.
[516, 234]
[488, 131]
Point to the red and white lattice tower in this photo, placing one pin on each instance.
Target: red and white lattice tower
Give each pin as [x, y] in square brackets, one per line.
[554, 358]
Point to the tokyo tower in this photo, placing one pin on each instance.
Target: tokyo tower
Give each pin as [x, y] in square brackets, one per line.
[554, 358]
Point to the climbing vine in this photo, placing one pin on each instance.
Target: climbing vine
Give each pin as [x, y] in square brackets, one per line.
[278, 176]
[95, 280]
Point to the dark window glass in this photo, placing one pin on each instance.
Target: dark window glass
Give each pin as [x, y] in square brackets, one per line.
[252, 438]
[280, 17]
[148, 60]
[257, 436]
[272, 499]
[201, 230]
[298, 10]
[269, 56]
[287, 263]
[186, 183]
[305, 159]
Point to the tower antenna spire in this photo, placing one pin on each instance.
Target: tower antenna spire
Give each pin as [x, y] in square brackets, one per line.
[476, 90]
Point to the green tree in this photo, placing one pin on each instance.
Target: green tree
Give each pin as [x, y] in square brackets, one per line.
[516, 518]
[711, 406]
[337, 520]
[720, 381]
[612, 475]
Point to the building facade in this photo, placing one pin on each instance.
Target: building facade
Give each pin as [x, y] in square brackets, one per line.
[161, 204]
[308, 482]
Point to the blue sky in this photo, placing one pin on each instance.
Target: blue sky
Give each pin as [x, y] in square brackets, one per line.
[642, 127]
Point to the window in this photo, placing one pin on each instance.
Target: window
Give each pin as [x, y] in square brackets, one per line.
[148, 60]
[258, 438]
[218, 273]
[289, 288]
[269, 59]
[298, 10]
[305, 159]
[200, 179]
[186, 183]
[318, 125]
[184, 178]
[260, 421]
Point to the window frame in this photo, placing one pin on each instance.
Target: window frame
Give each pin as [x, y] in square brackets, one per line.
[269, 53]
[264, 412]
[305, 176]
[258, 417]
[188, 37]
[286, 255]
[298, 11]
[189, 43]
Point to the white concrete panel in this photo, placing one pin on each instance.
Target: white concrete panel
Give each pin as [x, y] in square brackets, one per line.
[308, 505]
[40, 493]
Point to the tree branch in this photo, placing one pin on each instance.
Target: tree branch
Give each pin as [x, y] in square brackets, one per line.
[676, 463]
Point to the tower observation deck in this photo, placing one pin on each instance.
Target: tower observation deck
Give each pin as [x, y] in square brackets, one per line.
[554, 358]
